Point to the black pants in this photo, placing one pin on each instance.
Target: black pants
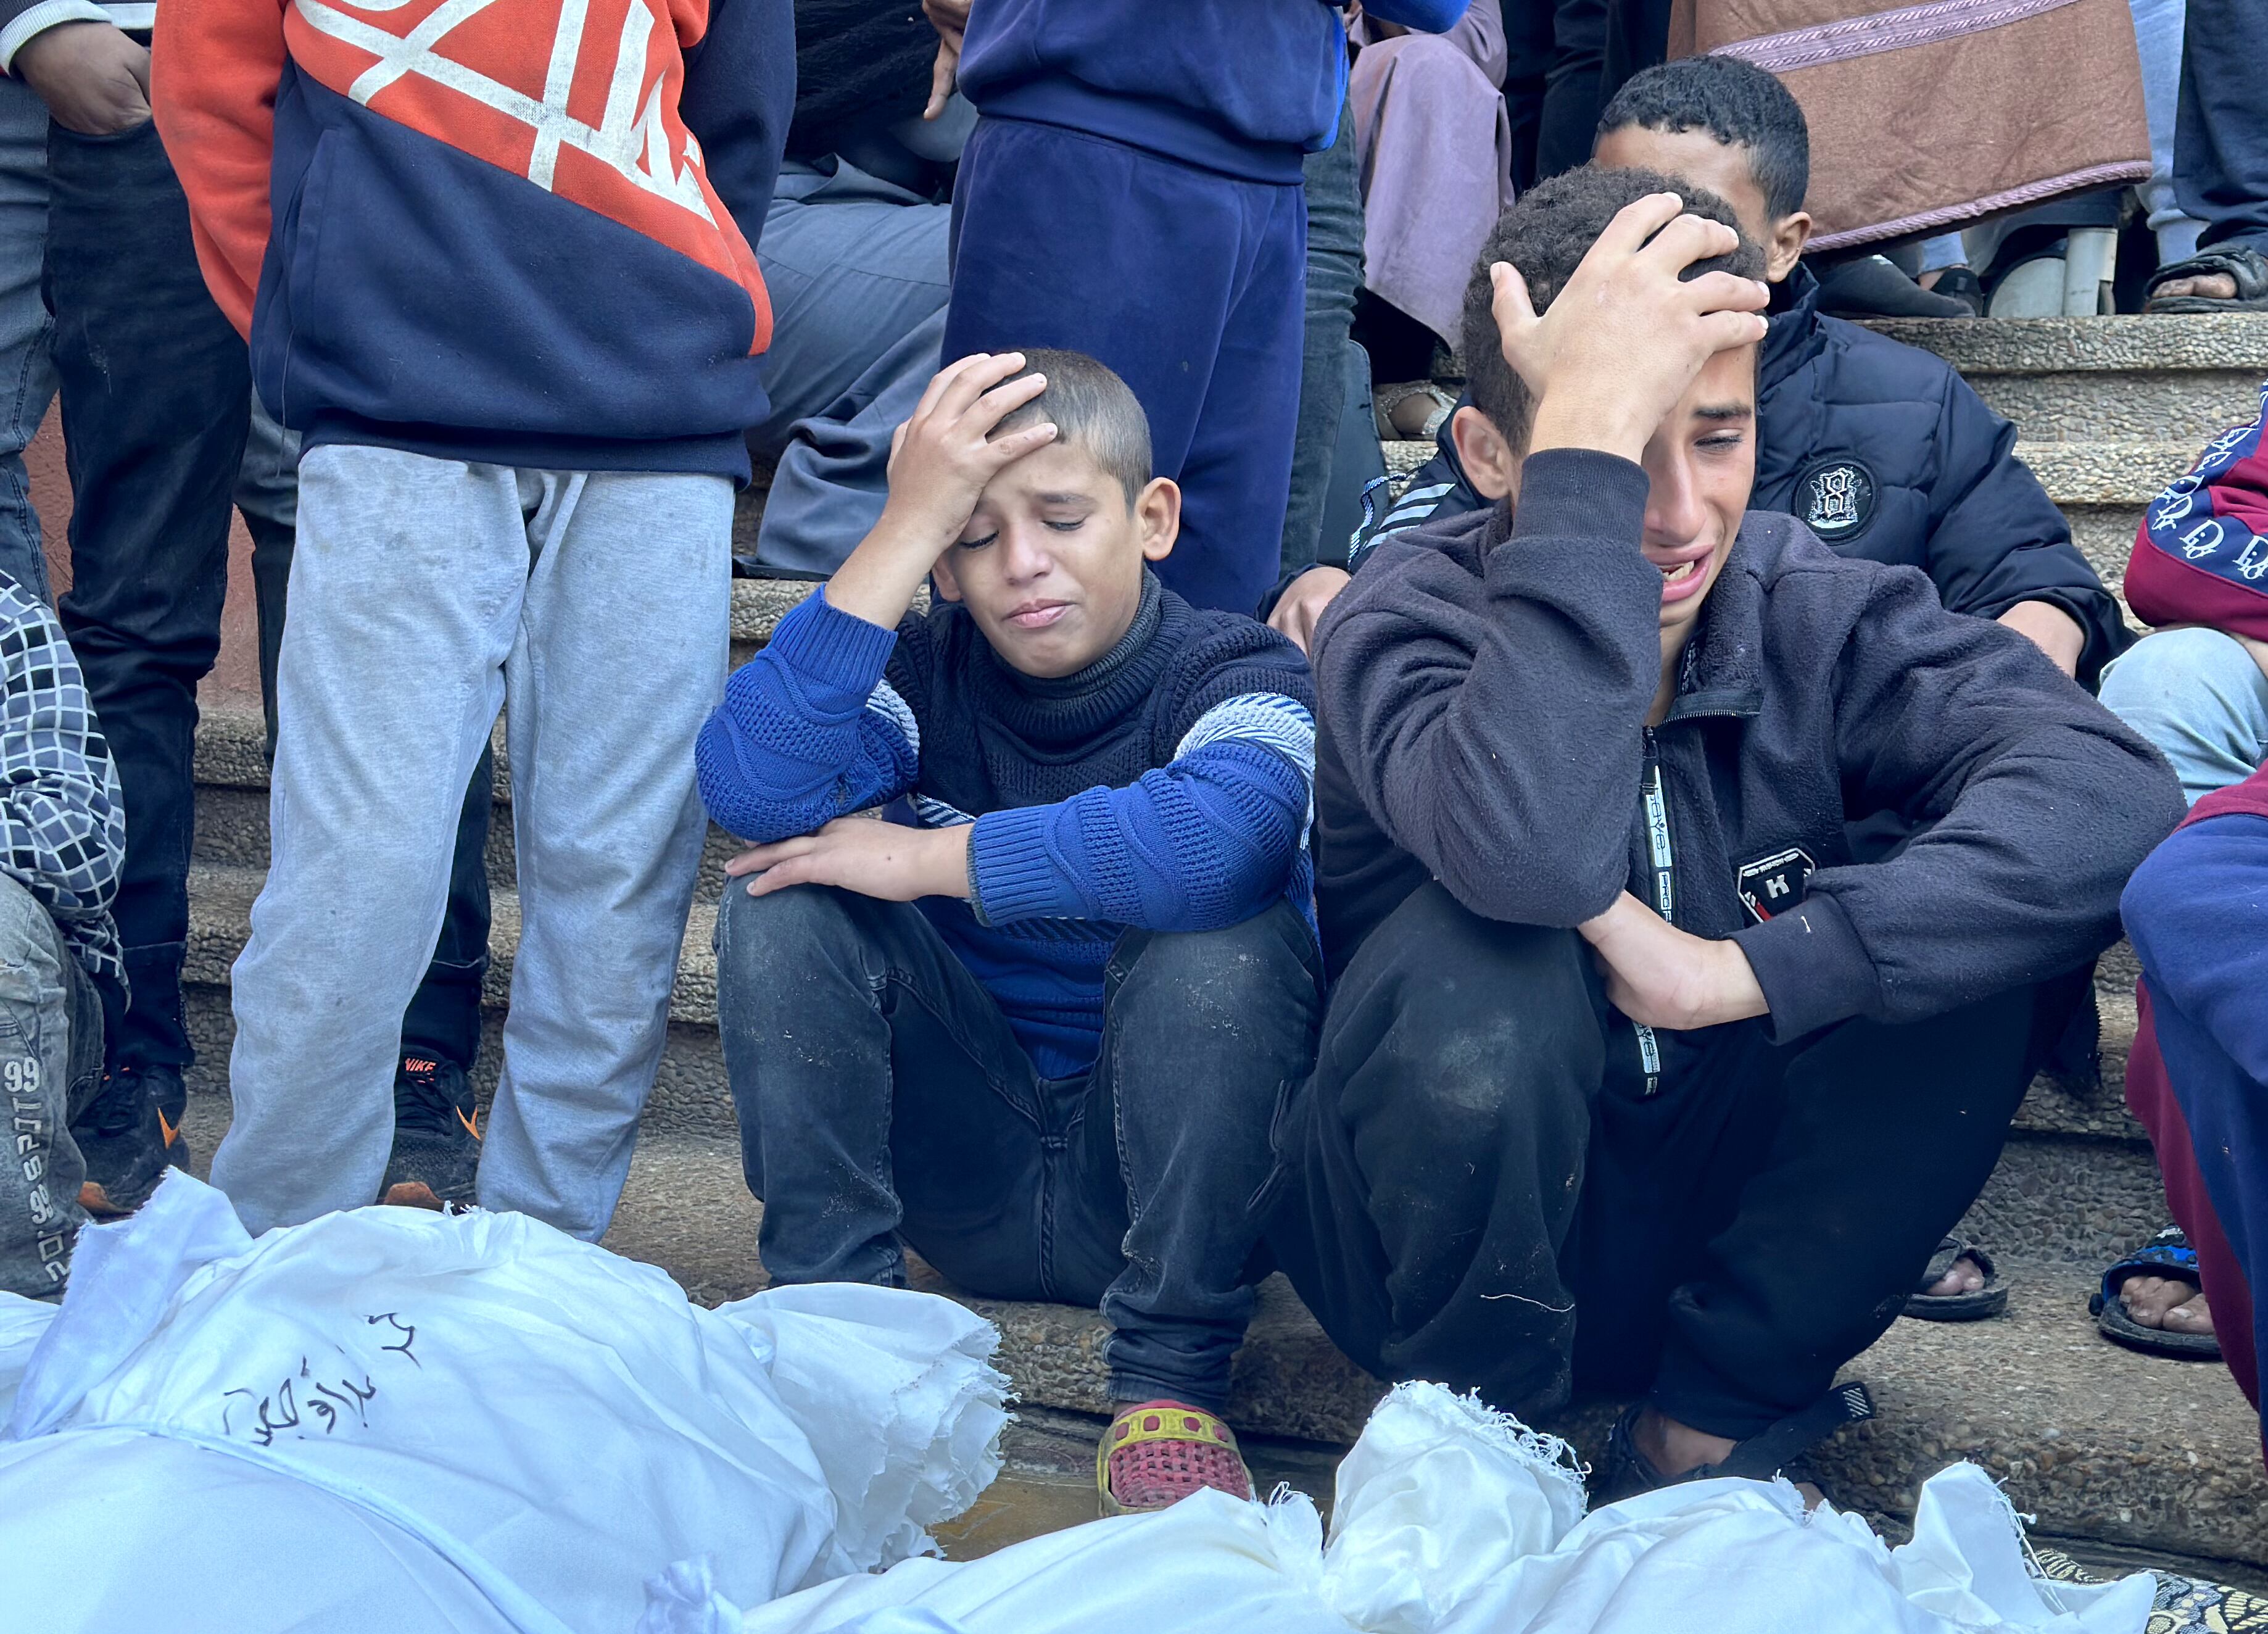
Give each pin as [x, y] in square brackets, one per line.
[882, 1095]
[155, 387]
[1473, 1190]
[2220, 131]
[1555, 54]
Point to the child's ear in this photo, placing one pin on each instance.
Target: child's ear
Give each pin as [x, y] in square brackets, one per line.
[1789, 234]
[941, 575]
[1158, 518]
[1490, 463]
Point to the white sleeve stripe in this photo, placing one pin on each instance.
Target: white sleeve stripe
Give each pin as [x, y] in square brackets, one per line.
[884, 702]
[1267, 718]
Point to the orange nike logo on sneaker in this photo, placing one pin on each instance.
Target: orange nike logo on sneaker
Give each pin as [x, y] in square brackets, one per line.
[170, 1132]
[472, 1124]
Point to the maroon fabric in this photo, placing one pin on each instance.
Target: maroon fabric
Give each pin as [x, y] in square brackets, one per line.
[2150, 1098]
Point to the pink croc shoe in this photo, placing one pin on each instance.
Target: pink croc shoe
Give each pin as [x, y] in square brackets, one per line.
[1157, 1453]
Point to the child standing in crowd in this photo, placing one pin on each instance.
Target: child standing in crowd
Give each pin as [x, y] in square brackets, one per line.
[1675, 1103]
[62, 832]
[1038, 1034]
[521, 340]
[1133, 191]
[1878, 447]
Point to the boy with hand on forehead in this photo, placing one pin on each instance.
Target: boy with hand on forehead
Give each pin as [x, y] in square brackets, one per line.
[1880, 448]
[1634, 1078]
[1037, 1028]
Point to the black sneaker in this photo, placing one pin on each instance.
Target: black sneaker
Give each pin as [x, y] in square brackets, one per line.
[128, 1141]
[437, 1137]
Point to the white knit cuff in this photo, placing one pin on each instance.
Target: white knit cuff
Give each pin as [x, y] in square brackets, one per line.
[38, 18]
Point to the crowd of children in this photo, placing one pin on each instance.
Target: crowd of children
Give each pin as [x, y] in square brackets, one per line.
[1611, 967]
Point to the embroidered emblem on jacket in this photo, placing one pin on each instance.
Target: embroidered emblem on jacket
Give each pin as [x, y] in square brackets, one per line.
[1836, 497]
[1775, 883]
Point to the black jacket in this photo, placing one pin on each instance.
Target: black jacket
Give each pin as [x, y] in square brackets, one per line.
[1888, 455]
[1484, 683]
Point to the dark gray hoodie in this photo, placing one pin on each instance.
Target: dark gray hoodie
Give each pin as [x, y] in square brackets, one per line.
[1484, 683]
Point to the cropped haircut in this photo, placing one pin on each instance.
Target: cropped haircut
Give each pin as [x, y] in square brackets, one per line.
[1736, 102]
[1092, 410]
[1546, 235]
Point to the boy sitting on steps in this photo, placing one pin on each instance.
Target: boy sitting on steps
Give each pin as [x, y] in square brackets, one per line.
[1635, 1080]
[1038, 1032]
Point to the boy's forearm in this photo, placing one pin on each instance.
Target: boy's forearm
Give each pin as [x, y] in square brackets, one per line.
[879, 580]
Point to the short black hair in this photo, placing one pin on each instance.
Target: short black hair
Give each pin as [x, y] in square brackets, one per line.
[1736, 102]
[1092, 410]
[1546, 235]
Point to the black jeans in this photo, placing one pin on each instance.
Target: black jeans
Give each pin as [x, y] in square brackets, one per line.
[155, 387]
[1555, 53]
[2220, 129]
[1333, 276]
[881, 1096]
[1471, 1192]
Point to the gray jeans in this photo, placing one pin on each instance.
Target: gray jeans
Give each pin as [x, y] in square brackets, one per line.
[50, 1068]
[595, 607]
[27, 373]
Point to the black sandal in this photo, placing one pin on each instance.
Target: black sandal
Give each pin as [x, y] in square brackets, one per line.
[2167, 1254]
[1989, 1300]
[2248, 267]
[1781, 1449]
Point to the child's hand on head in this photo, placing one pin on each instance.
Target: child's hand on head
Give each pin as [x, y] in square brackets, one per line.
[1613, 353]
[943, 456]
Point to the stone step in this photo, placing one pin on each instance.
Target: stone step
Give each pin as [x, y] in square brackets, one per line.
[2102, 1445]
[2063, 1189]
[2120, 378]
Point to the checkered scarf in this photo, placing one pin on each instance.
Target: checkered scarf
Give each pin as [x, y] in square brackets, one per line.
[62, 822]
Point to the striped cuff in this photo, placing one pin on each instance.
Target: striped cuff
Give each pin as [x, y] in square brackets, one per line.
[37, 20]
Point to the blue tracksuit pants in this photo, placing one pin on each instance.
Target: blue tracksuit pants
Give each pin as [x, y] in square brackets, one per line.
[1191, 284]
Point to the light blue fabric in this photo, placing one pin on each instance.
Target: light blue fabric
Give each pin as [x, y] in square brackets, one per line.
[2158, 32]
[1945, 250]
[2200, 699]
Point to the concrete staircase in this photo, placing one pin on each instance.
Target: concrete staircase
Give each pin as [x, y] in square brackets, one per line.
[2112, 1451]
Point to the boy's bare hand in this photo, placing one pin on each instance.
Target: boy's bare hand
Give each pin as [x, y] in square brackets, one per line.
[880, 859]
[1658, 975]
[94, 79]
[944, 73]
[940, 459]
[1303, 602]
[942, 456]
[1618, 347]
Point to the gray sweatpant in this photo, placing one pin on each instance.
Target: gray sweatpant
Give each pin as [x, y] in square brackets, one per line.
[50, 1068]
[424, 593]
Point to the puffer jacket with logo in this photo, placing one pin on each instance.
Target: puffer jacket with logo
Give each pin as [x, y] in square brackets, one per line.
[1886, 454]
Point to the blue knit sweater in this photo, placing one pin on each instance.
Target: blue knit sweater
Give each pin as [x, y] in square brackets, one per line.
[1165, 787]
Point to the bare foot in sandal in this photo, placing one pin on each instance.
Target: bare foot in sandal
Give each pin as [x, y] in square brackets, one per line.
[2213, 286]
[2169, 1303]
[1966, 1276]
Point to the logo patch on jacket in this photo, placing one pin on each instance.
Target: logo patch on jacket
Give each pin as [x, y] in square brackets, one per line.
[1775, 883]
[1837, 497]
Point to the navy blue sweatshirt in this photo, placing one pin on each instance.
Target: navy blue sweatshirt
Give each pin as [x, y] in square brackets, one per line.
[1484, 684]
[1245, 87]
